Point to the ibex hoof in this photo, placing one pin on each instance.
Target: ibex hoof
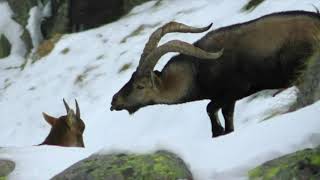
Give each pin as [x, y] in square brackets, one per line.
[218, 131]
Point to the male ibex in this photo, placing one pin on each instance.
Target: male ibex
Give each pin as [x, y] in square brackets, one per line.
[265, 53]
[66, 130]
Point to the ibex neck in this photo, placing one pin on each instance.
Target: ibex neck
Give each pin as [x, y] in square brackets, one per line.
[178, 84]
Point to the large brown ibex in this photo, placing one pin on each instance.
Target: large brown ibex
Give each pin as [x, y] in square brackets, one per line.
[224, 66]
[66, 130]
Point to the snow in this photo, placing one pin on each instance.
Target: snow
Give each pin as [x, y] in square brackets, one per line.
[98, 54]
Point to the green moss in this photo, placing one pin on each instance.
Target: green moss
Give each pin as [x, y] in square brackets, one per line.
[316, 160]
[251, 5]
[3, 178]
[254, 173]
[160, 165]
[300, 165]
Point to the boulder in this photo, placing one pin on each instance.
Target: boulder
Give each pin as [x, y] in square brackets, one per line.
[6, 167]
[161, 165]
[308, 83]
[302, 165]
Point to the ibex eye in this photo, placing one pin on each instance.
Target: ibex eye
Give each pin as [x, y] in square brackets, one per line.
[140, 87]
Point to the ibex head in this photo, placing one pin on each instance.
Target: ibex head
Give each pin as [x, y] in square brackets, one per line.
[145, 86]
[66, 130]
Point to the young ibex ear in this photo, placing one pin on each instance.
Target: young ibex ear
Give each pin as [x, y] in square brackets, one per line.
[155, 79]
[51, 120]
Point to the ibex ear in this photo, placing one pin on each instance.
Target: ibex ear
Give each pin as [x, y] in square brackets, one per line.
[51, 120]
[156, 79]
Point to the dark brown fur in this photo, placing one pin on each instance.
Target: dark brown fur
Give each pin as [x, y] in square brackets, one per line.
[65, 131]
[265, 53]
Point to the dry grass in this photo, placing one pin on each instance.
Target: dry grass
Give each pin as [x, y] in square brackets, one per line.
[251, 5]
[47, 45]
[65, 51]
[138, 31]
[125, 67]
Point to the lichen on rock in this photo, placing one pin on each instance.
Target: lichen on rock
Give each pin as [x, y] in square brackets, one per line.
[6, 167]
[161, 165]
[303, 164]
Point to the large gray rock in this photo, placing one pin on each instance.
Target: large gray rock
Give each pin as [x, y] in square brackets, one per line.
[301, 165]
[5, 46]
[6, 167]
[161, 165]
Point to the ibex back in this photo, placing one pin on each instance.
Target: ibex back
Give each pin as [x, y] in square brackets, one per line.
[224, 66]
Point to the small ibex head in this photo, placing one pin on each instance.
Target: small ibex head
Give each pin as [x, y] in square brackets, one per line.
[66, 130]
[145, 86]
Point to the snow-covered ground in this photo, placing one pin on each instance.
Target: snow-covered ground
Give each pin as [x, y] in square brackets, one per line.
[89, 72]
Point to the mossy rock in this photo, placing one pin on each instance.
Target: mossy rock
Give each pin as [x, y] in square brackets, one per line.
[302, 165]
[21, 10]
[6, 167]
[5, 46]
[161, 165]
[308, 83]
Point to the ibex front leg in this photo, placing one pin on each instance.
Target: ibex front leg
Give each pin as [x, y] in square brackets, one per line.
[227, 112]
[216, 128]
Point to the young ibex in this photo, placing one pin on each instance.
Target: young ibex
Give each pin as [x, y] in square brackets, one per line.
[66, 130]
[224, 66]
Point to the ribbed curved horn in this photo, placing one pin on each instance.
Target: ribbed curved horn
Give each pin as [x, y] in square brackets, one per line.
[66, 105]
[77, 109]
[168, 28]
[176, 46]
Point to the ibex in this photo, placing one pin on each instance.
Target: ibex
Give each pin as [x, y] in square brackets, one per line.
[66, 130]
[224, 66]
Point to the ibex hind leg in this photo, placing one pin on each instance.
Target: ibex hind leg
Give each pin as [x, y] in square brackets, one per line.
[216, 128]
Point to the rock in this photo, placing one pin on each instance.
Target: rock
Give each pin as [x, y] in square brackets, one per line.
[5, 46]
[6, 167]
[94, 13]
[308, 83]
[302, 165]
[59, 22]
[20, 9]
[161, 165]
